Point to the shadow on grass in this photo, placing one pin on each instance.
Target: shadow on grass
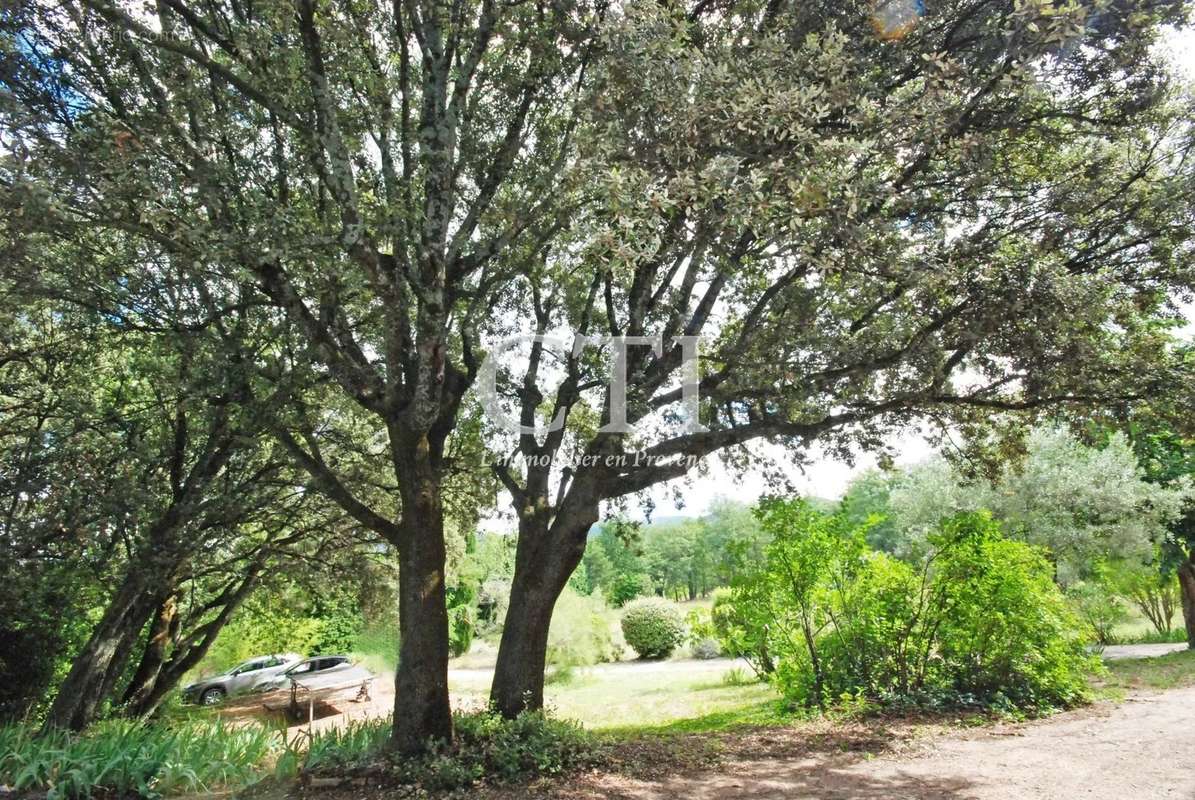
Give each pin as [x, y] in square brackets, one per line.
[757, 751]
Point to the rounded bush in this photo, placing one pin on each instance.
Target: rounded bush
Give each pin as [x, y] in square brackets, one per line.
[653, 627]
[707, 648]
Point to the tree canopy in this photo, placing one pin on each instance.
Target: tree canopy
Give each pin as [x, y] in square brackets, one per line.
[987, 211]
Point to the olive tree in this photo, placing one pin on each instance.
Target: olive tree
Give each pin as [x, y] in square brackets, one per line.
[1084, 503]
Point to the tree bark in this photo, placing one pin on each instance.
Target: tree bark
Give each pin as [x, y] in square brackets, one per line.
[191, 650]
[97, 667]
[1186, 581]
[544, 561]
[161, 633]
[422, 713]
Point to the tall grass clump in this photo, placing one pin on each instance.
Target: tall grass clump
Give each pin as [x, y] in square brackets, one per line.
[125, 758]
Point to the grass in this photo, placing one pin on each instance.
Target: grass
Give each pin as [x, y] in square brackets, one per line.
[645, 695]
[1171, 671]
[1137, 629]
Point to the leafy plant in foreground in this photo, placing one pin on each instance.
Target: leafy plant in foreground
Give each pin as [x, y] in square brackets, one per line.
[122, 758]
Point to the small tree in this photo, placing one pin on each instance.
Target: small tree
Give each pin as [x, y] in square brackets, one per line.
[1152, 588]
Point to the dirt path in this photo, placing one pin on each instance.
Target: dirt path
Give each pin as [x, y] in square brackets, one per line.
[1142, 748]
[1116, 652]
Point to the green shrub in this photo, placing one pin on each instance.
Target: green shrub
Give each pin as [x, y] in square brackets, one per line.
[1007, 634]
[700, 625]
[706, 649]
[582, 631]
[653, 627]
[629, 586]
[738, 636]
[979, 622]
[1152, 588]
[1097, 605]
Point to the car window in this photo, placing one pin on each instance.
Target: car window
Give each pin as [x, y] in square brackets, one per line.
[248, 666]
[300, 668]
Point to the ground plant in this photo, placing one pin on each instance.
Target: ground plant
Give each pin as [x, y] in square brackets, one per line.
[123, 759]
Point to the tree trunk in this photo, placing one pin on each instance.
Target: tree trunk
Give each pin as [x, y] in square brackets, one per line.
[98, 665]
[544, 561]
[161, 633]
[1186, 581]
[422, 713]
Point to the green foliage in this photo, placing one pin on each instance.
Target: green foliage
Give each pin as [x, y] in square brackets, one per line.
[582, 632]
[680, 559]
[1096, 604]
[340, 620]
[737, 635]
[268, 623]
[531, 744]
[1152, 588]
[1005, 634]
[461, 623]
[1084, 503]
[978, 621]
[868, 497]
[627, 587]
[700, 624]
[487, 748]
[653, 627]
[121, 758]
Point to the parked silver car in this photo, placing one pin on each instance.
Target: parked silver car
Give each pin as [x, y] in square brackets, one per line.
[241, 678]
[315, 671]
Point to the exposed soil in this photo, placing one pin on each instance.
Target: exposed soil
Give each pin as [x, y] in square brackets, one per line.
[1138, 749]
[1117, 652]
[1141, 748]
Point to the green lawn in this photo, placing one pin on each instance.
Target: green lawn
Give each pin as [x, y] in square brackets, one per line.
[1164, 672]
[1138, 629]
[666, 696]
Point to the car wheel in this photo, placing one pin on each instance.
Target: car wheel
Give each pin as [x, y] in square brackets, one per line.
[212, 696]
